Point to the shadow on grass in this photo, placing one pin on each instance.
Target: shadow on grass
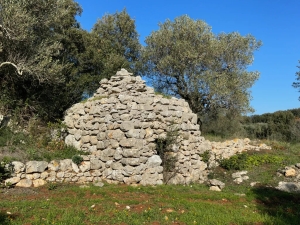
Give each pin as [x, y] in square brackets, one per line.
[5, 219]
[283, 207]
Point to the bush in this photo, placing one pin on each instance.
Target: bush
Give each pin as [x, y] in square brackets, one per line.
[205, 156]
[6, 168]
[77, 159]
[245, 161]
[164, 148]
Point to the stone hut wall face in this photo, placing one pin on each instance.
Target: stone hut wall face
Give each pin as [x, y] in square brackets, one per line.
[120, 124]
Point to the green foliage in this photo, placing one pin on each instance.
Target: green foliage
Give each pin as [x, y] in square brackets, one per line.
[185, 59]
[9, 138]
[244, 161]
[77, 159]
[165, 149]
[6, 168]
[205, 156]
[40, 43]
[48, 63]
[280, 125]
[113, 45]
[296, 84]
[52, 186]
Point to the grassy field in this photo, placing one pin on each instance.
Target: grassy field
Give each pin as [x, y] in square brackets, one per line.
[165, 204]
[120, 204]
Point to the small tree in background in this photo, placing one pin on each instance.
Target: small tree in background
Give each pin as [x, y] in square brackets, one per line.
[297, 83]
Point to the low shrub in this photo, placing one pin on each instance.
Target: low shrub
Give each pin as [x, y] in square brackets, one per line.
[6, 169]
[244, 161]
[77, 159]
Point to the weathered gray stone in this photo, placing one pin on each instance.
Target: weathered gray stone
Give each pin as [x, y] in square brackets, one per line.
[24, 183]
[215, 182]
[95, 163]
[12, 181]
[154, 161]
[291, 187]
[214, 188]
[132, 152]
[36, 166]
[115, 134]
[85, 166]
[54, 165]
[127, 125]
[128, 142]
[130, 161]
[18, 167]
[66, 165]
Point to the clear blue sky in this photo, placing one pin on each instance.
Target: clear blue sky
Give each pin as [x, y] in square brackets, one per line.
[274, 22]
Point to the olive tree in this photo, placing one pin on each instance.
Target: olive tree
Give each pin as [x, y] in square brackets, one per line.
[39, 43]
[184, 58]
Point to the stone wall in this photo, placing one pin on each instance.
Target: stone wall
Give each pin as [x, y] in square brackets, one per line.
[37, 173]
[119, 127]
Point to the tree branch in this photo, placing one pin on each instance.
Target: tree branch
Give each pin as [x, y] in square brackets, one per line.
[19, 71]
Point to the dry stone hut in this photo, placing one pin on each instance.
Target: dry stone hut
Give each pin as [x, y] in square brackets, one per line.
[120, 126]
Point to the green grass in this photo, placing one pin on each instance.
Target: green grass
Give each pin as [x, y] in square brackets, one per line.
[167, 204]
[21, 146]
[193, 204]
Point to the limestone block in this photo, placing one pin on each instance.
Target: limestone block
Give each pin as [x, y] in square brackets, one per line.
[130, 161]
[107, 172]
[18, 167]
[102, 144]
[215, 182]
[128, 142]
[95, 164]
[290, 172]
[133, 133]
[133, 179]
[239, 174]
[44, 175]
[12, 181]
[69, 121]
[101, 136]
[85, 166]
[114, 143]
[154, 161]
[36, 166]
[24, 183]
[39, 182]
[93, 140]
[54, 165]
[96, 173]
[128, 170]
[177, 179]
[214, 188]
[118, 154]
[85, 139]
[75, 167]
[66, 165]
[127, 125]
[117, 175]
[115, 134]
[117, 166]
[291, 187]
[70, 140]
[131, 152]
[60, 175]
